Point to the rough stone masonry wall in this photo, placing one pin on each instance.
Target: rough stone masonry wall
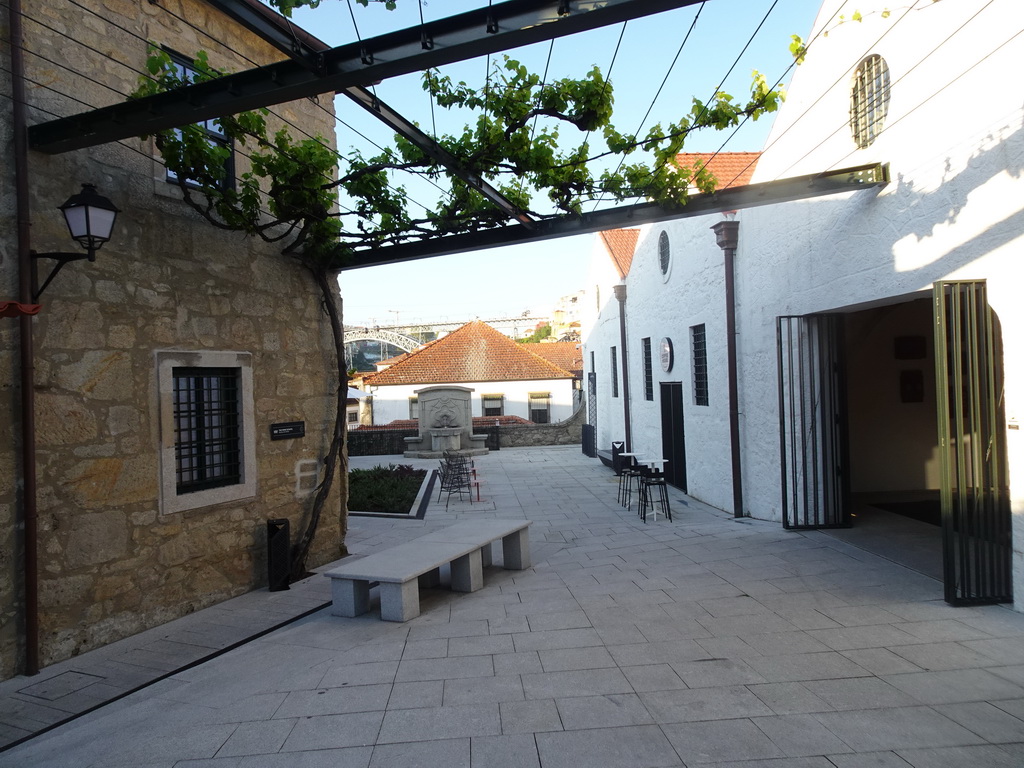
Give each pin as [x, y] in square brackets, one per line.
[111, 563]
[567, 432]
[9, 413]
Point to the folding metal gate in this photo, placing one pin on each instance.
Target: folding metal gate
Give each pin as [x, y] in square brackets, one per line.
[812, 422]
[976, 532]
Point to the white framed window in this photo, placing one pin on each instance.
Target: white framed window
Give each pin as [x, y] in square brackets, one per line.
[414, 407]
[540, 407]
[213, 133]
[207, 428]
[353, 416]
[492, 405]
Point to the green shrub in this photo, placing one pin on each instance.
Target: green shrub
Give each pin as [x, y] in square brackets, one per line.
[390, 489]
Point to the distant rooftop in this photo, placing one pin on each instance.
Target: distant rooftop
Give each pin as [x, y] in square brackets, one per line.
[474, 352]
[730, 169]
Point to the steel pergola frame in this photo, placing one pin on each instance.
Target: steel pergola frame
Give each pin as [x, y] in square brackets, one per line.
[479, 32]
[731, 199]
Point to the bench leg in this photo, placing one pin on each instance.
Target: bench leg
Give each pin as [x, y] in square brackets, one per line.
[486, 558]
[468, 572]
[399, 602]
[515, 549]
[430, 578]
[349, 597]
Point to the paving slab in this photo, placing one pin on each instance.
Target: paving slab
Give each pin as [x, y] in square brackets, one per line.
[702, 641]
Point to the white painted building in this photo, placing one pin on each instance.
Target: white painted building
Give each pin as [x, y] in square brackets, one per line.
[507, 379]
[840, 404]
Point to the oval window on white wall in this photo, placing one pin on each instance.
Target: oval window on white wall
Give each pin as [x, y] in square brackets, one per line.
[869, 100]
[664, 255]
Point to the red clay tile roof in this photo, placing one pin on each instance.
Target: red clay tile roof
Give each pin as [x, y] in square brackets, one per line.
[621, 243]
[474, 352]
[731, 169]
[564, 354]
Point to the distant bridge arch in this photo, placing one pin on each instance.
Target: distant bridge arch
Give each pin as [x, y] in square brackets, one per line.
[388, 337]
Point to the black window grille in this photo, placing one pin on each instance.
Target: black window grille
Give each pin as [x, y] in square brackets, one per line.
[648, 370]
[540, 407]
[214, 134]
[869, 100]
[207, 433]
[615, 372]
[699, 346]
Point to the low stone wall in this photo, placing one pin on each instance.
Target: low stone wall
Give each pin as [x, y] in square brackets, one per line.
[568, 432]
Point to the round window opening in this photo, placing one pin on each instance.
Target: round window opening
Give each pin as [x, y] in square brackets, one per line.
[869, 100]
[664, 253]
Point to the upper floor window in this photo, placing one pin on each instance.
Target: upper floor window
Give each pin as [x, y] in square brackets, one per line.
[869, 100]
[212, 132]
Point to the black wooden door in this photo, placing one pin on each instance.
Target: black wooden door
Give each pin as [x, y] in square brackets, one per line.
[673, 442]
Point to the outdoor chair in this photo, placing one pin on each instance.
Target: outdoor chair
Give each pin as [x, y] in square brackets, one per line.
[457, 476]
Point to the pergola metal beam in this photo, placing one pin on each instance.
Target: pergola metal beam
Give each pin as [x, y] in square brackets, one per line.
[365, 98]
[278, 31]
[731, 199]
[306, 49]
[486, 30]
[286, 37]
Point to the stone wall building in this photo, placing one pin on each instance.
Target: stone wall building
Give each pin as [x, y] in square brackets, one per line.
[124, 543]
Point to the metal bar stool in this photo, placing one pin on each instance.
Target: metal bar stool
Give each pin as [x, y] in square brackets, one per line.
[651, 479]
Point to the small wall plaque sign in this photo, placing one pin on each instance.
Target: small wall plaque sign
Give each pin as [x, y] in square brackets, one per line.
[286, 430]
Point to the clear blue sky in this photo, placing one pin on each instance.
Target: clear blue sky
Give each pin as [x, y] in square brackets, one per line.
[511, 280]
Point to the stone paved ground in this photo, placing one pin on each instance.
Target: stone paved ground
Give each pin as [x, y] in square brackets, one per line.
[704, 641]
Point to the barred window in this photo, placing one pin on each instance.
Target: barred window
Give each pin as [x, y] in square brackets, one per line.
[540, 407]
[207, 444]
[869, 100]
[699, 349]
[648, 370]
[615, 372]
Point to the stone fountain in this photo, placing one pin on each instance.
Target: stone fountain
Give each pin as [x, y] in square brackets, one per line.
[445, 424]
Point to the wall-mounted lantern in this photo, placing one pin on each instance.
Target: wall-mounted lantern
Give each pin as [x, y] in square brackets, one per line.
[90, 219]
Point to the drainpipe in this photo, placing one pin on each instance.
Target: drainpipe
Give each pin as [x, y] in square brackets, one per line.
[727, 234]
[28, 427]
[620, 295]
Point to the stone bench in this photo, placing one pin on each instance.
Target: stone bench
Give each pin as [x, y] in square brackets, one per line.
[402, 569]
